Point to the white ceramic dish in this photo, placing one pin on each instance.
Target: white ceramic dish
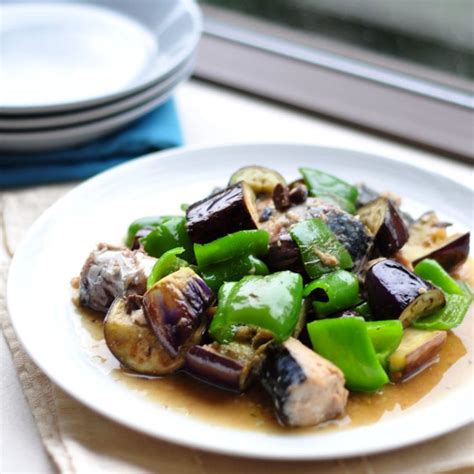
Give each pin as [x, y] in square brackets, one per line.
[52, 139]
[63, 56]
[33, 123]
[99, 210]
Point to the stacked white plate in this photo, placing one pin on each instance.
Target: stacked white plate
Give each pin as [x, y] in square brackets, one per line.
[73, 71]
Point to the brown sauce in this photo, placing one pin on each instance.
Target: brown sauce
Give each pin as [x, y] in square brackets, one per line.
[253, 410]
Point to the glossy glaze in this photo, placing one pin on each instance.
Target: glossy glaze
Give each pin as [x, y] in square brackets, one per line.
[253, 410]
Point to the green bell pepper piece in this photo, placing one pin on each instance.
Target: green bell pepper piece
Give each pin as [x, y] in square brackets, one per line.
[320, 250]
[431, 270]
[319, 183]
[136, 225]
[448, 317]
[333, 292]
[386, 337]
[168, 263]
[346, 343]
[169, 234]
[364, 310]
[458, 298]
[224, 292]
[271, 302]
[232, 270]
[238, 244]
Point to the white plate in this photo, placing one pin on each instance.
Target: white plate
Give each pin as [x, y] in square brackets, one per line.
[47, 140]
[99, 210]
[33, 123]
[59, 56]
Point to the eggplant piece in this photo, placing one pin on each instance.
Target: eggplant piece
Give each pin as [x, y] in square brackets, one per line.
[252, 336]
[110, 272]
[211, 367]
[134, 344]
[426, 234]
[281, 197]
[229, 366]
[395, 292]
[385, 224]
[367, 194]
[296, 182]
[306, 389]
[260, 179]
[175, 307]
[284, 254]
[298, 194]
[451, 253]
[352, 234]
[417, 350]
[225, 212]
[141, 233]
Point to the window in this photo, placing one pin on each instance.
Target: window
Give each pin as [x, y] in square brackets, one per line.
[403, 68]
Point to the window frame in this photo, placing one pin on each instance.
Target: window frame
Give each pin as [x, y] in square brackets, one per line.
[362, 89]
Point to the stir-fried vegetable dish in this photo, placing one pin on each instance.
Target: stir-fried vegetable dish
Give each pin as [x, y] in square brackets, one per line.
[312, 289]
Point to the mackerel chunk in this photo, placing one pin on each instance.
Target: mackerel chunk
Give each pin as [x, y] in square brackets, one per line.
[111, 272]
[306, 389]
[283, 252]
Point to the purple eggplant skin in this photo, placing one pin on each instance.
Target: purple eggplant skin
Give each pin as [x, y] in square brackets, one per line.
[284, 254]
[229, 366]
[298, 194]
[367, 194]
[211, 367]
[133, 343]
[281, 197]
[393, 233]
[225, 212]
[386, 225]
[143, 232]
[393, 292]
[217, 367]
[175, 307]
[451, 254]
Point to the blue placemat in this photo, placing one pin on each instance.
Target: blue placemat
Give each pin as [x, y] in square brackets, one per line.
[158, 130]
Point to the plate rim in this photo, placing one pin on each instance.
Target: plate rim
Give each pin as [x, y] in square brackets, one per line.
[45, 140]
[455, 423]
[196, 15]
[55, 121]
